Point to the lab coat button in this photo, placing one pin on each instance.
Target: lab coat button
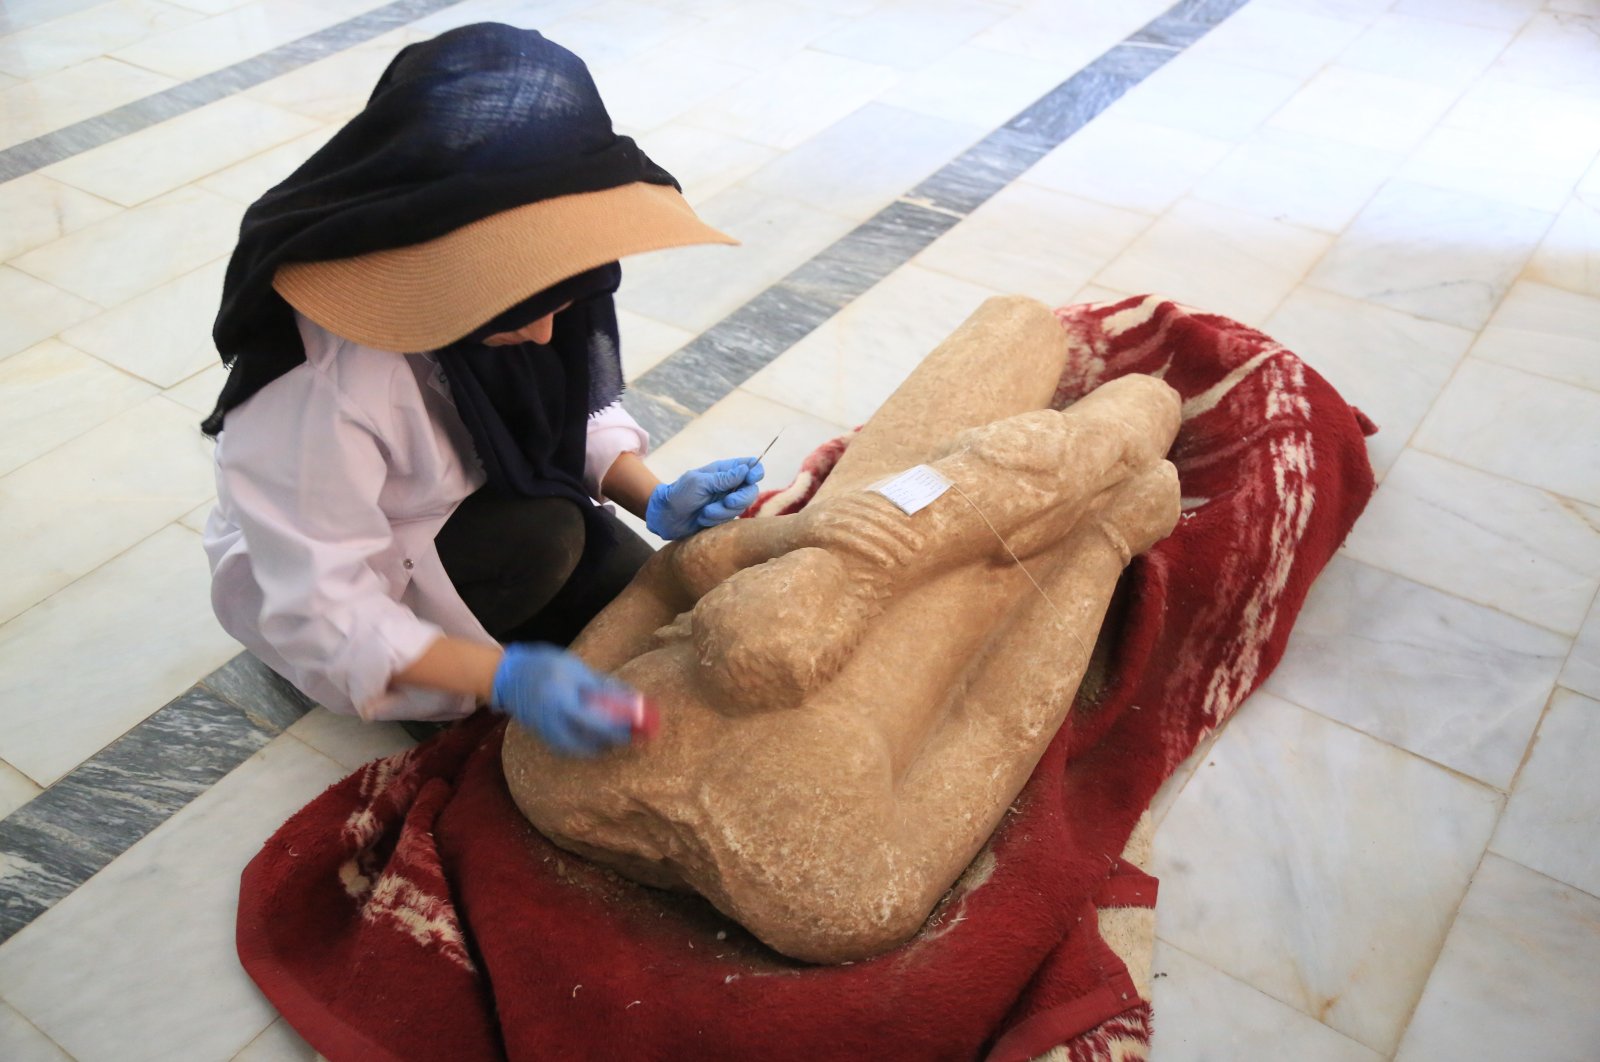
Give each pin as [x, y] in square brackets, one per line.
[408, 564]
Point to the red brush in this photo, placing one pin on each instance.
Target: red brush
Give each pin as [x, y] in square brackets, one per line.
[641, 714]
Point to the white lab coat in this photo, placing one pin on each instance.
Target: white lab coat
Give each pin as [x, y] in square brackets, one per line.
[332, 482]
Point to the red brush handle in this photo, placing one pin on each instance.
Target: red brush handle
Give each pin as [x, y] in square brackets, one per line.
[642, 715]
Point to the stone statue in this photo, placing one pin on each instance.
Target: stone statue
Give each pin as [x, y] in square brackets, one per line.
[851, 696]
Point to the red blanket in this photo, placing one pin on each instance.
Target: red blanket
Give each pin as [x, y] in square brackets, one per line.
[410, 912]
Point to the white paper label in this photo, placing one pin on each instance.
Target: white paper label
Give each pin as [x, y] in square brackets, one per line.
[914, 489]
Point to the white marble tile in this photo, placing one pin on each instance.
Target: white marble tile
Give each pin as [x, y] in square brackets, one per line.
[657, 88]
[1097, 293]
[36, 107]
[645, 342]
[1389, 364]
[38, 210]
[844, 370]
[1181, 775]
[761, 33]
[331, 89]
[864, 162]
[1569, 255]
[245, 181]
[1219, 259]
[694, 287]
[784, 105]
[1532, 429]
[911, 34]
[164, 335]
[1545, 330]
[1516, 978]
[1032, 241]
[1364, 11]
[977, 86]
[89, 499]
[1549, 821]
[1319, 866]
[348, 740]
[1298, 178]
[111, 261]
[73, 38]
[1456, 683]
[1298, 43]
[1209, 97]
[1068, 33]
[617, 31]
[1582, 672]
[84, 666]
[1359, 107]
[278, 1042]
[527, 14]
[1494, 14]
[209, 7]
[1129, 163]
[170, 154]
[20, 1041]
[51, 393]
[1444, 255]
[1513, 143]
[1483, 538]
[1433, 51]
[16, 789]
[1558, 50]
[139, 963]
[1203, 1015]
[195, 519]
[199, 392]
[31, 310]
[1589, 187]
[705, 162]
[223, 39]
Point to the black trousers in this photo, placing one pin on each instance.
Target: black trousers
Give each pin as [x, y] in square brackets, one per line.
[528, 568]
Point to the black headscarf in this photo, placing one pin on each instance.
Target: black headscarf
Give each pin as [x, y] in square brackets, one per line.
[476, 121]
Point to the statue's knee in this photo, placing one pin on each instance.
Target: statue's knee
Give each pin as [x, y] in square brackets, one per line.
[770, 635]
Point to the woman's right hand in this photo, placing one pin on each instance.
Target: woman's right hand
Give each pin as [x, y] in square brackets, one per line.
[557, 696]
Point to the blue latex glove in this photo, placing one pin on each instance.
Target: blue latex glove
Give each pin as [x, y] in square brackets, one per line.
[704, 497]
[554, 694]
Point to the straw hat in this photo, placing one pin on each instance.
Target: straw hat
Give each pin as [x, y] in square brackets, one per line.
[430, 294]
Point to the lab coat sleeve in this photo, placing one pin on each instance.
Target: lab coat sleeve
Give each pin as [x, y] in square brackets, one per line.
[304, 471]
[612, 433]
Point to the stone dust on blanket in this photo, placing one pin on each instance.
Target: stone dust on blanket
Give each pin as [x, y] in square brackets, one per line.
[410, 912]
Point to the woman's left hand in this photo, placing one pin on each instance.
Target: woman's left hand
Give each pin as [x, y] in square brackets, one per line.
[704, 497]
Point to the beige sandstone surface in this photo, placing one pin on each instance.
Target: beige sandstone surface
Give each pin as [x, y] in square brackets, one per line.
[851, 697]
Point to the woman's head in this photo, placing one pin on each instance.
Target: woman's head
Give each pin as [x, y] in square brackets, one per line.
[539, 331]
[483, 169]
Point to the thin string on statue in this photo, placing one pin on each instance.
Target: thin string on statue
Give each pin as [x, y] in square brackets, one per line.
[1006, 546]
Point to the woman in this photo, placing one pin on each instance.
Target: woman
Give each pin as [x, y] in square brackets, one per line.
[422, 420]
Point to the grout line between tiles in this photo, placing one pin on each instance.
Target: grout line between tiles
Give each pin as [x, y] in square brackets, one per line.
[1455, 771]
[755, 334]
[1444, 940]
[109, 126]
[42, 1034]
[1457, 595]
[1263, 992]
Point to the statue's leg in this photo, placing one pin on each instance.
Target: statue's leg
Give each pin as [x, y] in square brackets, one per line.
[1018, 697]
[888, 847]
[1004, 359]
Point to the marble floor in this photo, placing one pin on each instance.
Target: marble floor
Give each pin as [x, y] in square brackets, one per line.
[1392, 851]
